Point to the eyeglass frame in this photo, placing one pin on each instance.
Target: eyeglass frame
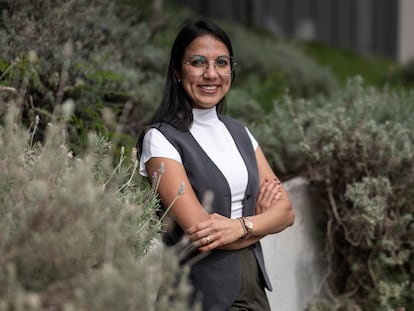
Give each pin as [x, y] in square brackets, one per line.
[231, 58]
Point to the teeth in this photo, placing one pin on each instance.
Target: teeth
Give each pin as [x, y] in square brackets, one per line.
[209, 87]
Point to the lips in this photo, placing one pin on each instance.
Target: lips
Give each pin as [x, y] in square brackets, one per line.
[208, 88]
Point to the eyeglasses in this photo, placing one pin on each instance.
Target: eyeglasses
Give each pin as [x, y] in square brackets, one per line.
[198, 65]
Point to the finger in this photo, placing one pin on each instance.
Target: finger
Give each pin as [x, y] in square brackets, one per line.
[278, 196]
[263, 189]
[198, 235]
[202, 242]
[278, 192]
[269, 191]
[275, 196]
[200, 226]
[208, 247]
[270, 195]
[276, 186]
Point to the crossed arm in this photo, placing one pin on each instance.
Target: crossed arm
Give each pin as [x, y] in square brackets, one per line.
[274, 211]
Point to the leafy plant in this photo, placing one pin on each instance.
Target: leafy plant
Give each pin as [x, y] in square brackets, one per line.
[75, 233]
[269, 65]
[96, 53]
[362, 169]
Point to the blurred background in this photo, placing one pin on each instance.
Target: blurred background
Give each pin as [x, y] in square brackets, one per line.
[369, 27]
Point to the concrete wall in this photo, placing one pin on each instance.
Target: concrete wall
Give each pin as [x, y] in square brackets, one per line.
[406, 29]
[294, 256]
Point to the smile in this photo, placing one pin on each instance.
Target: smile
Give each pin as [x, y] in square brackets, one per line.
[208, 88]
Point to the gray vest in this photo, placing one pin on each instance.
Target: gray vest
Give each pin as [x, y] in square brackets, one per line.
[217, 276]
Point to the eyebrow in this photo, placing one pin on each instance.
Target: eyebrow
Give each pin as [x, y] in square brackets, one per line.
[198, 55]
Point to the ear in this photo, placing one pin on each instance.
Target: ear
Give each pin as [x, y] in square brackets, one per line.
[177, 75]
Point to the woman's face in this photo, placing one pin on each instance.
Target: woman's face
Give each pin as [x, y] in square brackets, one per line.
[208, 88]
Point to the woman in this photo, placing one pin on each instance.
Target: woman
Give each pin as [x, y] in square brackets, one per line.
[209, 152]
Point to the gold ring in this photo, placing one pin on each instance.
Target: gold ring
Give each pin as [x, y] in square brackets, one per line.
[208, 239]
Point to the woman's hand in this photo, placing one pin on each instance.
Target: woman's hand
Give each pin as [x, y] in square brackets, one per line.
[269, 192]
[225, 233]
[215, 232]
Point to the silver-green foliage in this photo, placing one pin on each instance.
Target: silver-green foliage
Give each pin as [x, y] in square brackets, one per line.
[242, 106]
[361, 160]
[74, 233]
[279, 138]
[357, 149]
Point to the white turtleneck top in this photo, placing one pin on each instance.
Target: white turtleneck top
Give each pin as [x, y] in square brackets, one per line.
[216, 141]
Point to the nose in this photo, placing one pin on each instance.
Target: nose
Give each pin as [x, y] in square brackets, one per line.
[211, 69]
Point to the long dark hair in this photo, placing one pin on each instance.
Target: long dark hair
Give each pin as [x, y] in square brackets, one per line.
[175, 107]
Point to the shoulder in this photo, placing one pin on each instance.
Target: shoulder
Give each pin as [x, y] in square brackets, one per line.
[179, 138]
[153, 137]
[152, 133]
[166, 129]
[230, 120]
[155, 144]
[162, 133]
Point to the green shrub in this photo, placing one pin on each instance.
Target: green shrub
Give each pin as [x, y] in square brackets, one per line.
[103, 54]
[345, 63]
[362, 165]
[97, 53]
[403, 75]
[268, 66]
[242, 106]
[279, 137]
[76, 234]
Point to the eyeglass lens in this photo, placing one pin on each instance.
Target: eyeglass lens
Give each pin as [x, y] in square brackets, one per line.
[198, 65]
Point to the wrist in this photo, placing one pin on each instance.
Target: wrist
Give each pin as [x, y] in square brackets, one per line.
[240, 219]
[248, 224]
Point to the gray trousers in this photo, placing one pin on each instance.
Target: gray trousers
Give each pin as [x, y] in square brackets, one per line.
[252, 296]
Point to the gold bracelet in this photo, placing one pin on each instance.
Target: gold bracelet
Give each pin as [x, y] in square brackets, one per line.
[248, 225]
[244, 227]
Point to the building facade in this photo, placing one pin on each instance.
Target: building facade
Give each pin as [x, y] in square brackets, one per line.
[371, 27]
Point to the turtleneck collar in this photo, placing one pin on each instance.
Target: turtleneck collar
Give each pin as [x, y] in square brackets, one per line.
[205, 116]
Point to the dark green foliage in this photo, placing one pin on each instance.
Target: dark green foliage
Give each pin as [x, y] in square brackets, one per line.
[345, 63]
[96, 53]
[106, 54]
[404, 74]
[268, 66]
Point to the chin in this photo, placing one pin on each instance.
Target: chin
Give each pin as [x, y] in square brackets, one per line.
[205, 105]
